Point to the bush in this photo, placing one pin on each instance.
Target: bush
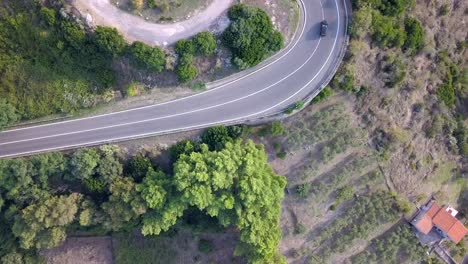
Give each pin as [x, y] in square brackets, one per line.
[296, 106]
[110, 40]
[281, 155]
[8, 114]
[237, 131]
[393, 71]
[387, 32]
[250, 36]
[205, 43]
[182, 147]
[139, 166]
[205, 246]
[303, 190]
[48, 15]
[414, 35]
[324, 94]
[344, 194]
[148, 57]
[276, 128]
[186, 72]
[216, 137]
[184, 47]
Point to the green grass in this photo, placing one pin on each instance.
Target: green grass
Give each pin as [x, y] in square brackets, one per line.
[130, 249]
[444, 172]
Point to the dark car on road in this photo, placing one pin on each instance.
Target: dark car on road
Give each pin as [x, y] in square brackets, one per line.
[323, 28]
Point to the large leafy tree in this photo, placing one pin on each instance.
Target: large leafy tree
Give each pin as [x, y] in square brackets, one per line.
[125, 205]
[43, 224]
[235, 184]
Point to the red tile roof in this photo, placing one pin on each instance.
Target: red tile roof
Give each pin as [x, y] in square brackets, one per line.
[457, 232]
[444, 221]
[439, 217]
[425, 225]
[435, 208]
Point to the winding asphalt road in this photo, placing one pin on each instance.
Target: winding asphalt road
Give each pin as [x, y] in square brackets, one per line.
[297, 72]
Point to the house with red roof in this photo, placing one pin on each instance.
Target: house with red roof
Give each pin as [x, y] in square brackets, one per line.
[432, 218]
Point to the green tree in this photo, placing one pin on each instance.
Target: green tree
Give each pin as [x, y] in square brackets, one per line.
[182, 147]
[48, 15]
[414, 35]
[250, 36]
[152, 58]
[324, 94]
[207, 180]
[82, 164]
[186, 72]
[216, 137]
[125, 205]
[386, 32]
[8, 113]
[110, 40]
[139, 166]
[205, 43]
[185, 47]
[42, 224]
[73, 34]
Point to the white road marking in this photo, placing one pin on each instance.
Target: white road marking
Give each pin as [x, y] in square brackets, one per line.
[187, 97]
[174, 115]
[206, 124]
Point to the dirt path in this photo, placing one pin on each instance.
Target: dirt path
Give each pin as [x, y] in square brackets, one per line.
[102, 12]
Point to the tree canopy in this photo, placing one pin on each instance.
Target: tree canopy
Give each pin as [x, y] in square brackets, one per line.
[251, 36]
[152, 58]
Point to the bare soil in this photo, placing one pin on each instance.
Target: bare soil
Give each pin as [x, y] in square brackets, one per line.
[79, 250]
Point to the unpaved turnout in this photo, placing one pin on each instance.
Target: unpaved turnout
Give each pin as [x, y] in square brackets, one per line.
[104, 13]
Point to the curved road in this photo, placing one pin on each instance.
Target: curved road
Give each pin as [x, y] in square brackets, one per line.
[297, 72]
[136, 28]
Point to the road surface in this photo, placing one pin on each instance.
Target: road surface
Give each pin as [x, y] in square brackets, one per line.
[298, 71]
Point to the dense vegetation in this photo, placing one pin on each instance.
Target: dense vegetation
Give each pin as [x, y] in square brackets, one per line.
[48, 64]
[43, 197]
[251, 36]
[397, 246]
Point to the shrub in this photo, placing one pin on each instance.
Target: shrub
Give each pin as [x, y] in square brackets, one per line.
[110, 40]
[184, 47]
[182, 147]
[386, 32]
[8, 114]
[205, 43]
[139, 166]
[393, 71]
[250, 36]
[414, 35]
[205, 246]
[303, 190]
[138, 4]
[324, 94]
[281, 155]
[237, 131]
[276, 128]
[48, 15]
[344, 194]
[296, 106]
[186, 72]
[148, 57]
[216, 137]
